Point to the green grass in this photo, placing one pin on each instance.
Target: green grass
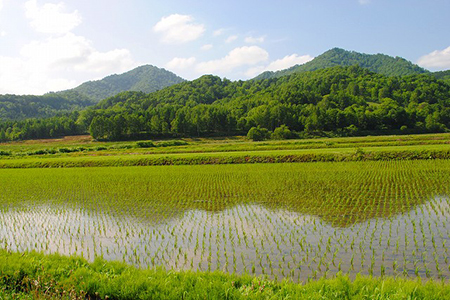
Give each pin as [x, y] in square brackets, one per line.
[36, 276]
[83, 152]
[236, 157]
[202, 145]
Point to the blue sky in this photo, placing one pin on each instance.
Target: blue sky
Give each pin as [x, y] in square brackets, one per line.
[52, 45]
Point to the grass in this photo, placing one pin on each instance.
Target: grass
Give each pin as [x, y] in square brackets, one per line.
[236, 157]
[36, 276]
[83, 152]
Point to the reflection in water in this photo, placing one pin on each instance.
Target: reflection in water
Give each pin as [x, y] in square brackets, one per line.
[281, 220]
[250, 237]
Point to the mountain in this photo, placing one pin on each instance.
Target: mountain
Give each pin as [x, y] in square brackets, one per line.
[342, 100]
[145, 78]
[378, 63]
[19, 107]
[442, 75]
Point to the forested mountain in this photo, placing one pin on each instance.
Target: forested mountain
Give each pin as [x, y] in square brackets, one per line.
[15, 107]
[378, 63]
[442, 75]
[342, 100]
[145, 79]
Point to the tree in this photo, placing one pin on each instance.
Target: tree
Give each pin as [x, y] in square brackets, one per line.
[258, 134]
[282, 133]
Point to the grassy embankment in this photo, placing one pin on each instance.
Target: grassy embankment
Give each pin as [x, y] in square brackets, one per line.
[83, 152]
[36, 276]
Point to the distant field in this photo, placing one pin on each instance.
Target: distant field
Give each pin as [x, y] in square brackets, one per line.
[295, 221]
[82, 151]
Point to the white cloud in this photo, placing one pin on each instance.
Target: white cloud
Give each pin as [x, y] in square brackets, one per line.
[18, 76]
[243, 56]
[1, 4]
[2, 33]
[439, 60]
[179, 63]
[254, 40]
[218, 32]
[231, 38]
[51, 18]
[42, 64]
[364, 2]
[177, 29]
[206, 47]
[280, 64]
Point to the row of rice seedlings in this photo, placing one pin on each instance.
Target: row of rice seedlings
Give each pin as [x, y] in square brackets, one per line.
[295, 221]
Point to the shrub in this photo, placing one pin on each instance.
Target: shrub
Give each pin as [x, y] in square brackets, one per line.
[258, 134]
[171, 143]
[145, 144]
[5, 153]
[282, 133]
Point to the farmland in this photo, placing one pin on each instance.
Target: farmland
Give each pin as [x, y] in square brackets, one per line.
[297, 221]
[321, 211]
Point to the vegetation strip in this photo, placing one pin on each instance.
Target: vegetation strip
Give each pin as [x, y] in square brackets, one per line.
[34, 275]
[225, 158]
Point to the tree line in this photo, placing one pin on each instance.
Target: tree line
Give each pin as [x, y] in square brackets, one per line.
[342, 100]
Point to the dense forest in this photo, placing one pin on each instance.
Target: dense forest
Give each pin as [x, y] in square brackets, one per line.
[340, 100]
[145, 79]
[17, 107]
[442, 75]
[378, 63]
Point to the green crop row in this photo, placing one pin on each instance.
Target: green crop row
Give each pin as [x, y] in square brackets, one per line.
[227, 158]
[297, 221]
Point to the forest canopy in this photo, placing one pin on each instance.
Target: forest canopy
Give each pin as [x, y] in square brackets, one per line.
[342, 100]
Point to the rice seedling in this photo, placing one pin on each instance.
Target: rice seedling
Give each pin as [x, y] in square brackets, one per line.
[294, 221]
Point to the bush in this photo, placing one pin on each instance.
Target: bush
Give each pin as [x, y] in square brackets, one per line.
[145, 144]
[282, 133]
[172, 143]
[258, 134]
[5, 153]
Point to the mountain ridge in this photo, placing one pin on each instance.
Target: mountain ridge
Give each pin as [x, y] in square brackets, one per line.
[378, 63]
[146, 78]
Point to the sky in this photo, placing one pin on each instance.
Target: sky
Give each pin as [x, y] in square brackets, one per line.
[53, 45]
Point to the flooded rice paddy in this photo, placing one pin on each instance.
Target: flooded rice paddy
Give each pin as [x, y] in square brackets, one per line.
[296, 221]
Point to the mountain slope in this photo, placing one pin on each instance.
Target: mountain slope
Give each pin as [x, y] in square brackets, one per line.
[342, 100]
[145, 78]
[19, 107]
[442, 75]
[378, 63]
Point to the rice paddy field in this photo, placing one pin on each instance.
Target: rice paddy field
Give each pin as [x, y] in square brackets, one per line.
[295, 221]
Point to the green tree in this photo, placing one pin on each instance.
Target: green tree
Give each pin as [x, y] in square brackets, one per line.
[282, 133]
[258, 134]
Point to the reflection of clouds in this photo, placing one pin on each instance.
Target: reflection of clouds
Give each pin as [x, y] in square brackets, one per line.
[273, 237]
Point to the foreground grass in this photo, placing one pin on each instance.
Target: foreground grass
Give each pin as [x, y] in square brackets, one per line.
[34, 275]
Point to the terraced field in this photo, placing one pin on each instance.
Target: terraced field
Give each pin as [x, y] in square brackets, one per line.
[291, 220]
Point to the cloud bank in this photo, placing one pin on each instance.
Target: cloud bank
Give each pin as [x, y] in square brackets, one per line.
[438, 60]
[178, 29]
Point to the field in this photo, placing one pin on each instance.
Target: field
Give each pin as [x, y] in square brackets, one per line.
[297, 221]
[83, 152]
[294, 210]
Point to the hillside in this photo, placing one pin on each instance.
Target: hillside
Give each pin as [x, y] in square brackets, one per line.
[19, 107]
[442, 75]
[338, 100]
[378, 63]
[145, 79]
